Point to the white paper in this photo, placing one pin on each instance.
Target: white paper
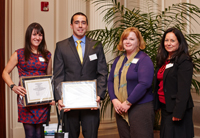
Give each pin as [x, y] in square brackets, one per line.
[135, 60]
[79, 95]
[38, 90]
[41, 59]
[169, 65]
[93, 57]
[66, 135]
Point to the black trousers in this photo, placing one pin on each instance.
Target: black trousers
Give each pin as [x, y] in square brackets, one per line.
[141, 120]
[86, 118]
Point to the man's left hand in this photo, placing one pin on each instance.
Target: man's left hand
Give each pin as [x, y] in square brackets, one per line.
[98, 101]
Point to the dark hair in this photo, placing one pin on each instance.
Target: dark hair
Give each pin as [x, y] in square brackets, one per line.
[79, 13]
[183, 47]
[27, 45]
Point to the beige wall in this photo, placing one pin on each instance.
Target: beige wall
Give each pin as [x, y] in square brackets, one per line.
[56, 23]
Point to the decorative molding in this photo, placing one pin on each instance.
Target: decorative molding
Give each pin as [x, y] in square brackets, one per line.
[73, 6]
[17, 42]
[14, 40]
[96, 22]
[61, 25]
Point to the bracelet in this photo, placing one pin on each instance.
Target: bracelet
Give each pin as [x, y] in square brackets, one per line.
[11, 86]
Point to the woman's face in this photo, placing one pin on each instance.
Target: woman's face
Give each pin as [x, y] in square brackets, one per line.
[131, 43]
[171, 43]
[36, 38]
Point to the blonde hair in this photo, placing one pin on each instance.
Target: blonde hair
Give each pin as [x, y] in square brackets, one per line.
[125, 35]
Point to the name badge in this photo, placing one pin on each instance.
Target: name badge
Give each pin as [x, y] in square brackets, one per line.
[169, 65]
[135, 60]
[93, 57]
[41, 59]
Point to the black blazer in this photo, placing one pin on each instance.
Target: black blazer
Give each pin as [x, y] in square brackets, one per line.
[68, 67]
[176, 85]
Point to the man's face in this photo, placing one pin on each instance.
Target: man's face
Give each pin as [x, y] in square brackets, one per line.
[79, 26]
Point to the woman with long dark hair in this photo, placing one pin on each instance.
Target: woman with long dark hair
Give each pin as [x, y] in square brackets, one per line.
[32, 60]
[172, 86]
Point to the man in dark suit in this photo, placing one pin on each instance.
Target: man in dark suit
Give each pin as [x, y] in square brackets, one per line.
[68, 66]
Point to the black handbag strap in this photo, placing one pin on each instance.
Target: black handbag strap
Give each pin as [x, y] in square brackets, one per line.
[57, 114]
[48, 115]
[60, 117]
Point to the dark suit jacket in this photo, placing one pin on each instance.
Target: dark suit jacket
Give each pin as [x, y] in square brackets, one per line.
[176, 86]
[68, 67]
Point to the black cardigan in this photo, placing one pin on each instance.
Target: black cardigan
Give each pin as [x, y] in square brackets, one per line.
[176, 86]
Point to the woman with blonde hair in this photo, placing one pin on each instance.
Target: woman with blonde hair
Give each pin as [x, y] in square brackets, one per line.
[129, 87]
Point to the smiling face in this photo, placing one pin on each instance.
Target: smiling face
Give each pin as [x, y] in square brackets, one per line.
[171, 43]
[131, 43]
[36, 38]
[79, 26]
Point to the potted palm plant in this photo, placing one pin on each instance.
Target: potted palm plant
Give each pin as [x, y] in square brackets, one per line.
[152, 25]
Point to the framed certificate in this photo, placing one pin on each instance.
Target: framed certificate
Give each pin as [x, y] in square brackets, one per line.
[79, 94]
[38, 90]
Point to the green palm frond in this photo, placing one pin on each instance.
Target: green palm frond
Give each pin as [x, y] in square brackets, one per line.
[152, 23]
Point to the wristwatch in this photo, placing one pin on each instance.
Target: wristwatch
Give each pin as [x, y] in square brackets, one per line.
[128, 103]
[11, 86]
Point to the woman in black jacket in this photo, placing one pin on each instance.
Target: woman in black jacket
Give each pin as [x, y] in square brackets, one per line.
[172, 86]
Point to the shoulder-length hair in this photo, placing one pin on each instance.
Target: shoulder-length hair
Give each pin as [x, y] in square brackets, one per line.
[27, 45]
[125, 35]
[183, 47]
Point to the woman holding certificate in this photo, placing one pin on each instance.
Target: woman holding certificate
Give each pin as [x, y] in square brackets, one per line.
[129, 87]
[32, 60]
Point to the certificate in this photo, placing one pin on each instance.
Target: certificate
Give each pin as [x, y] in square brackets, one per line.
[38, 90]
[79, 94]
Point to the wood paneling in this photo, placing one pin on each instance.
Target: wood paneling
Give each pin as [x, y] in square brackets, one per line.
[2, 64]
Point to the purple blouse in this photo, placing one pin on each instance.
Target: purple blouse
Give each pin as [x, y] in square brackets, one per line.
[139, 79]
